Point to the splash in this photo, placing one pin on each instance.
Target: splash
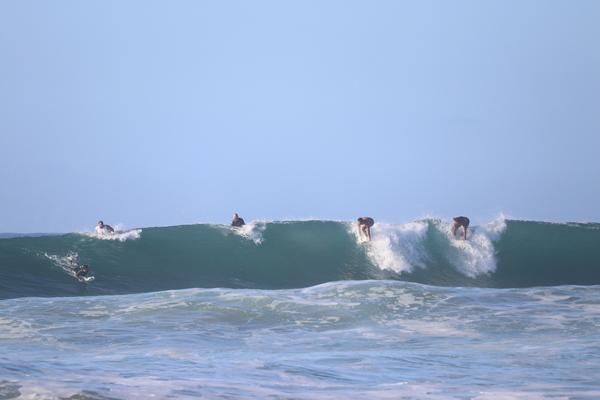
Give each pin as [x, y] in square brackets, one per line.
[402, 247]
[120, 234]
[251, 231]
[398, 248]
[477, 255]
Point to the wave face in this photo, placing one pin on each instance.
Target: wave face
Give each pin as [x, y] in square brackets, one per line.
[281, 255]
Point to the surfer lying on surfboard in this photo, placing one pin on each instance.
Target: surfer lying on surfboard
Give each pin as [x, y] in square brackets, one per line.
[102, 228]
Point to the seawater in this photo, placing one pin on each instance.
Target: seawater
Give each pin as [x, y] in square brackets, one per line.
[360, 331]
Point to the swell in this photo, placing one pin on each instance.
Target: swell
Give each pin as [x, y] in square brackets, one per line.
[301, 254]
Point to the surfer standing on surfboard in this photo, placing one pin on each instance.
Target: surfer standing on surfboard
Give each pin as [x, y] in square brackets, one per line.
[458, 222]
[364, 226]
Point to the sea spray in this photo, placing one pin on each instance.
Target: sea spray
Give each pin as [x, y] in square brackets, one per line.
[397, 247]
[120, 234]
[477, 255]
[252, 231]
[402, 247]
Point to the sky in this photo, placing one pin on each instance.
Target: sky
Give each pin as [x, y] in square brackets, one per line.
[153, 113]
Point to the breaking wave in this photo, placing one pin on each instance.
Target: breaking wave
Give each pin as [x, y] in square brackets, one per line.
[278, 255]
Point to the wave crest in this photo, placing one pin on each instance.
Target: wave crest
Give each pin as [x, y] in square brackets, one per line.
[118, 235]
[251, 231]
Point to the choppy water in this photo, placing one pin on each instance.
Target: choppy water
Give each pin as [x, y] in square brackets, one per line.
[371, 338]
[380, 339]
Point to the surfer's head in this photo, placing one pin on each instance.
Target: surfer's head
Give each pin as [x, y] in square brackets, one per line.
[100, 224]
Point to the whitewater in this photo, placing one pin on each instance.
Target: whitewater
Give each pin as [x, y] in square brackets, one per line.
[304, 310]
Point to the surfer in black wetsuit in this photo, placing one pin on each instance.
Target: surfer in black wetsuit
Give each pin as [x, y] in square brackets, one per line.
[102, 228]
[458, 222]
[237, 220]
[364, 226]
[81, 272]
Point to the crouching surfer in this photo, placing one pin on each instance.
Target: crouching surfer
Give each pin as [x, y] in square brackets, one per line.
[364, 227]
[460, 222]
[237, 221]
[101, 228]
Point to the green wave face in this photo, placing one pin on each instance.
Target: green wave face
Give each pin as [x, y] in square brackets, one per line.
[300, 254]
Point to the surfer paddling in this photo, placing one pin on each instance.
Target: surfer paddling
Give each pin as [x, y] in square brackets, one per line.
[103, 228]
[460, 222]
[237, 221]
[364, 226]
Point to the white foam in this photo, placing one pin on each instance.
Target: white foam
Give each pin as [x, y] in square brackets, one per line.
[496, 228]
[120, 234]
[401, 247]
[477, 255]
[11, 329]
[252, 231]
[68, 261]
[396, 247]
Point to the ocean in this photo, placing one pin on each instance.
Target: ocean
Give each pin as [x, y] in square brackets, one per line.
[304, 310]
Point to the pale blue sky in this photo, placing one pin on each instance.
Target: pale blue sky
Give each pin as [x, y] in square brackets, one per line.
[161, 113]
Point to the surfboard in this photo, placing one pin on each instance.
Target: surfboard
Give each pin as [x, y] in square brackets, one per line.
[82, 279]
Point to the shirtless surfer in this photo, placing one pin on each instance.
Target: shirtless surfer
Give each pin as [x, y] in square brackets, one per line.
[364, 227]
[237, 221]
[72, 259]
[458, 222]
[102, 228]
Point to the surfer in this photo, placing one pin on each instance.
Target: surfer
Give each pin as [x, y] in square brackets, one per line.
[364, 226]
[82, 271]
[458, 222]
[237, 221]
[102, 228]
[72, 261]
